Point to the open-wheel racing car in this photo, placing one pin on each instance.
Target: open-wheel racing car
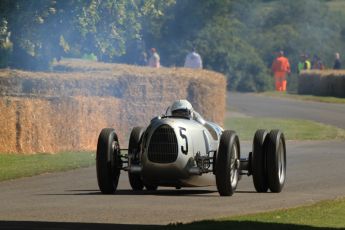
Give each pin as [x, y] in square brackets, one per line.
[180, 149]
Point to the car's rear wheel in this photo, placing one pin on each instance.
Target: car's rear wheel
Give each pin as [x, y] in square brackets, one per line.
[258, 161]
[276, 160]
[134, 158]
[108, 162]
[228, 163]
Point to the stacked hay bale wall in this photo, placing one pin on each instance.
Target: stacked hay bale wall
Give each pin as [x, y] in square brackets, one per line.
[59, 111]
[322, 83]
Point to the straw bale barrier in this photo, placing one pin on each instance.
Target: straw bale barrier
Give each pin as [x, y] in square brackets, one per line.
[322, 83]
[65, 111]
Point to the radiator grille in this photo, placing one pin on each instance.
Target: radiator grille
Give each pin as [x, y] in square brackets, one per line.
[163, 145]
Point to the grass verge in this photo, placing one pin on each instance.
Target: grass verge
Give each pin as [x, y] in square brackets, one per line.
[336, 100]
[14, 166]
[322, 215]
[293, 129]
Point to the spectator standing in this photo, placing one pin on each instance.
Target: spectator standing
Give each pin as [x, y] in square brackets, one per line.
[337, 63]
[154, 60]
[300, 65]
[304, 63]
[317, 63]
[193, 60]
[307, 63]
[280, 67]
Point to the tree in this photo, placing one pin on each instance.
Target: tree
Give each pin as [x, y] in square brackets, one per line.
[224, 51]
[237, 38]
[5, 43]
[214, 28]
[42, 30]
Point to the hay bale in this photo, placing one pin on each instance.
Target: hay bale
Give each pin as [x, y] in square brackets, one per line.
[339, 86]
[52, 112]
[322, 83]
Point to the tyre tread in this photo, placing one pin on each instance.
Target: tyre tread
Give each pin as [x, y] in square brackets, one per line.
[135, 179]
[223, 176]
[273, 179]
[259, 161]
[107, 175]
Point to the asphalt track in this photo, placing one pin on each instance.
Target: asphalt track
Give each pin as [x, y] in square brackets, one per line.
[263, 106]
[71, 200]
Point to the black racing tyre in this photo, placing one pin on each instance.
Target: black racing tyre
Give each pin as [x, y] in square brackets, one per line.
[108, 162]
[133, 157]
[228, 163]
[258, 162]
[276, 160]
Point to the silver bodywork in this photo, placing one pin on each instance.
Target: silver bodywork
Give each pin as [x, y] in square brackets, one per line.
[196, 142]
[181, 149]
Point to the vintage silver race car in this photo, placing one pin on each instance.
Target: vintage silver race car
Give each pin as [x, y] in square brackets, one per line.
[179, 152]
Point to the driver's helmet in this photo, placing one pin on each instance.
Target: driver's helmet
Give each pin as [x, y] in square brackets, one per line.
[181, 108]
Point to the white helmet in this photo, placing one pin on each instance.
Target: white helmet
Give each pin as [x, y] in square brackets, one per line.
[181, 108]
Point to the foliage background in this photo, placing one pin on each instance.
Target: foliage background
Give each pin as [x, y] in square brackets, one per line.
[237, 38]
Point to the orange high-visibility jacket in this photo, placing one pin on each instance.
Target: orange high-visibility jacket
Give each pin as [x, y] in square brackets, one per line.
[281, 66]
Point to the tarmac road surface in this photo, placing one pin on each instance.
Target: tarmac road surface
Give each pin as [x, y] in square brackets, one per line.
[71, 200]
[315, 171]
[263, 106]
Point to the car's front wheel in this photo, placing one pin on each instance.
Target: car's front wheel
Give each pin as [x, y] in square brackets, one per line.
[108, 162]
[228, 163]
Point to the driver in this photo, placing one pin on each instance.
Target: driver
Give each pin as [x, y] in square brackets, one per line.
[183, 108]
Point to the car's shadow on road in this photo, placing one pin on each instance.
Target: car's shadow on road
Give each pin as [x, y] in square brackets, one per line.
[129, 192]
[43, 225]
